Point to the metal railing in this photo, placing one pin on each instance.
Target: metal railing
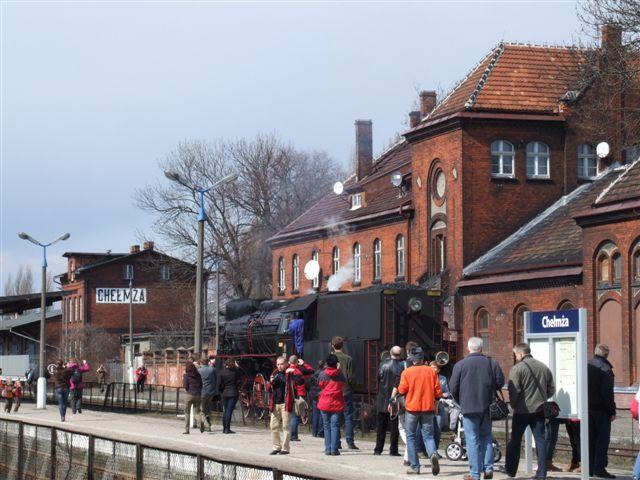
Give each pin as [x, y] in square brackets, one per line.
[36, 452]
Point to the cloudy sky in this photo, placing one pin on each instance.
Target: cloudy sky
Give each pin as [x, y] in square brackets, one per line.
[94, 94]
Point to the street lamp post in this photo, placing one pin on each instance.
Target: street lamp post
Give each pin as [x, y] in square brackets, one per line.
[217, 265]
[41, 395]
[202, 217]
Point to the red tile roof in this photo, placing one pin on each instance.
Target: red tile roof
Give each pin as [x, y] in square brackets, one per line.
[626, 187]
[331, 211]
[515, 78]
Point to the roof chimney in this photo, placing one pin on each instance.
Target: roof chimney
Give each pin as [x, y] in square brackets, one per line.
[428, 100]
[611, 37]
[364, 148]
[148, 245]
[414, 118]
[134, 249]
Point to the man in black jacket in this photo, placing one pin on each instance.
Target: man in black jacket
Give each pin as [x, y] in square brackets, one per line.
[473, 384]
[602, 410]
[388, 378]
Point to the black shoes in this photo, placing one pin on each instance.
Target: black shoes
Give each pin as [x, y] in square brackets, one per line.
[352, 446]
[376, 453]
[284, 452]
[435, 464]
[274, 452]
[604, 474]
[395, 454]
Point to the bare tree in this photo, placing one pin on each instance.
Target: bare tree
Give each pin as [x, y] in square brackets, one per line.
[21, 284]
[276, 184]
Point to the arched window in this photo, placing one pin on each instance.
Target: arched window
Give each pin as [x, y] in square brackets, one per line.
[377, 259]
[587, 161]
[482, 328]
[502, 158]
[518, 323]
[336, 260]
[400, 256]
[616, 268]
[438, 247]
[566, 305]
[281, 274]
[357, 263]
[315, 283]
[537, 160]
[636, 265]
[603, 269]
[295, 270]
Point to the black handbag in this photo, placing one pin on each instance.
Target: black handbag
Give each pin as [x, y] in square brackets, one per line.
[550, 409]
[498, 410]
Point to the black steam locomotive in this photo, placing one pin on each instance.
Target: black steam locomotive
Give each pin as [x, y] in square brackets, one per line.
[371, 321]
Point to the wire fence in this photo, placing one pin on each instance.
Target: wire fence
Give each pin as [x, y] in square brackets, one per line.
[35, 452]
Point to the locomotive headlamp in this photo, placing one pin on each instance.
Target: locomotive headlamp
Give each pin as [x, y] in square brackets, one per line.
[415, 304]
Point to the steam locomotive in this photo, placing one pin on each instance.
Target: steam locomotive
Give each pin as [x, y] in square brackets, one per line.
[371, 321]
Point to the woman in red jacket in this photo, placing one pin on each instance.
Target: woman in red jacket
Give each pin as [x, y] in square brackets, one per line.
[331, 403]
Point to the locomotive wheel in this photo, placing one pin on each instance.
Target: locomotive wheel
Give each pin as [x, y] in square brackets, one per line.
[454, 451]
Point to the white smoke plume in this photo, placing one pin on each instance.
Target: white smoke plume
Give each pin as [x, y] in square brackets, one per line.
[345, 273]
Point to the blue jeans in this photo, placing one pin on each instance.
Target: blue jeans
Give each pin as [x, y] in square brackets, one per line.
[295, 421]
[317, 428]
[477, 432]
[61, 396]
[422, 421]
[229, 404]
[348, 418]
[636, 468]
[331, 421]
[536, 422]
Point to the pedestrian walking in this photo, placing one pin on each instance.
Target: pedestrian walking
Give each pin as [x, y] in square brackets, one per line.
[18, 393]
[573, 432]
[530, 386]
[209, 376]
[473, 384]
[345, 364]
[8, 394]
[192, 384]
[317, 427]
[602, 410]
[389, 373]
[331, 403]
[439, 420]
[229, 380]
[141, 377]
[62, 379]
[301, 370]
[77, 385]
[281, 405]
[102, 373]
[421, 388]
[30, 377]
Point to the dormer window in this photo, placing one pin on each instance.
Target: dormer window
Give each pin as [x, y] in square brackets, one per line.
[356, 201]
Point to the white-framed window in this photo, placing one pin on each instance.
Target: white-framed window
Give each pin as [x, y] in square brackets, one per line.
[587, 161]
[502, 158]
[336, 260]
[400, 256]
[357, 263]
[315, 283]
[80, 310]
[128, 272]
[77, 309]
[165, 272]
[295, 267]
[537, 160]
[377, 259]
[281, 274]
[356, 201]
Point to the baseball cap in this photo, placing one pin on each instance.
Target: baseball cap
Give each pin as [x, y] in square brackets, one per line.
[416, 354]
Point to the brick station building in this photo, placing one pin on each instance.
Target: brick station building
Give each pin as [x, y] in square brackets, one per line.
[97, 304]
[505, 152]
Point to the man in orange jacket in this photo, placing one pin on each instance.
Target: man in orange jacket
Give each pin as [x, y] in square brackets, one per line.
[421, 387]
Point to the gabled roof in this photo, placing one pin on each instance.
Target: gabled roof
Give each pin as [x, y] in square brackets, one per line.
[625, 187]
[333, 211]
[552, 239]
[515, 77]
[116, 257]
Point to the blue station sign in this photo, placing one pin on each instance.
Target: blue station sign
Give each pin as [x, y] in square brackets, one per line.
[559, 321]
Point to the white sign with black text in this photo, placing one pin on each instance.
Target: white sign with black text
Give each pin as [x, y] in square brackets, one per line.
[121, 295]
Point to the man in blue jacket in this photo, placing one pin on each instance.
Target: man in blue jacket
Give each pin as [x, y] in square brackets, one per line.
[473, 384]
[209, 375]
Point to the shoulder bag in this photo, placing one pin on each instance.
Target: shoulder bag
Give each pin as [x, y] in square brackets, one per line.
[550, 409]
[498, 410]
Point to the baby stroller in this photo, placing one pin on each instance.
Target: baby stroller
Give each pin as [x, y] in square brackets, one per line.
[456, 450]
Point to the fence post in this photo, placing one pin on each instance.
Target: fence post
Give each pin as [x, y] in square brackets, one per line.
[150, 396]
[199, 467]
[135, 398]
[139, 459]
[54, 439]
[177, 400]
[162, 402]
[277, 474]
[124, 395]
[91, 393]
[21, 449]
[91, 455]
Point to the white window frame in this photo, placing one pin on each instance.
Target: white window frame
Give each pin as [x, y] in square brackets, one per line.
[400, 256]
[586, 153]
[315, 283]
[498, 150]
[336, 260]
[80, 310]
[357, 263]
[538, 157]
[356, 201]
[128, 272]
[281, 275]
[296, 272]
[165, 272]
[377, 259]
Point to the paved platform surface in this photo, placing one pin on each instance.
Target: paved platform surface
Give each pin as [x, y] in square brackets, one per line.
[250, 444]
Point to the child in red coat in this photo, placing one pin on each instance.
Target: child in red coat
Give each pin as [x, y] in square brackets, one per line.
[331, 403]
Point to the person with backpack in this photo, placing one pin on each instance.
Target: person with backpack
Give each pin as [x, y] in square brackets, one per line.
[62, 378]
[30, 376]
[192, 384]
[77, 386]
[331, 403]
[8, 394]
